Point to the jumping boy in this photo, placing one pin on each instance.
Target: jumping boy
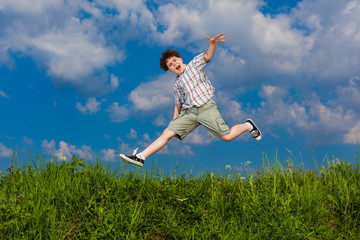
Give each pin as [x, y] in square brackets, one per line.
[193, 104]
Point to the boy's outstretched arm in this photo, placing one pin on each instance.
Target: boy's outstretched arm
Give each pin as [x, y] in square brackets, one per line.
[212, 45]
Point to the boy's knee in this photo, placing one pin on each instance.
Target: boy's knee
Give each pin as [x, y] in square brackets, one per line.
[168, 134]
[226, 138]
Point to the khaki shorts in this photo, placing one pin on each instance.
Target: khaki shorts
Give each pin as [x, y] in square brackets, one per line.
[207, 115]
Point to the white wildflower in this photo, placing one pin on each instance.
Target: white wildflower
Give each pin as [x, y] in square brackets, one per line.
[63, 157]
[182, 199]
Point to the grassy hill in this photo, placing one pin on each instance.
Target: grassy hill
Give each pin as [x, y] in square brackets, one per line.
[73, 200]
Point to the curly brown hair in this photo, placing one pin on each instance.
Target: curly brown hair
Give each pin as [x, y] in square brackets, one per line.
[165, 56]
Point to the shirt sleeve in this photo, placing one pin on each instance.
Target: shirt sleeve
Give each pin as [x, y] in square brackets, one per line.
[198, 62]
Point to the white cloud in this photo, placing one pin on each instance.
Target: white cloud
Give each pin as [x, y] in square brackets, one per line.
[282, 46]
[132, 134]
[229, 108]
[92, 106]
[27, 140]
[353, 136]
[179, 20]
[65, 150]
[275, 110]
[349, 96]
[75, 56]
[329, 124]
[313, 49]
[334, 27]
[146, 137]
[118, 113]
[316, 42]
[26, 7]
[160, 121]
[199, 136]
[75, 51]
[255, 40]
[108, 154]
[2, 94]
[133, 13]
[154, 95]
[183, 150]
[5, 151]
[317, 38]
[48, 146]
[226, 69]
[320, 122]
[114, 82]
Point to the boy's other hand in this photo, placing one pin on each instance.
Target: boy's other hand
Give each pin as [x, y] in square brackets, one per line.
[216, 39]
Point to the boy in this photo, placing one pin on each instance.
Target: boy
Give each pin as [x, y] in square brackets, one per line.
[193, 104]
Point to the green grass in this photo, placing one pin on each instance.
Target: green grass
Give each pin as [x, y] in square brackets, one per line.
[73, 200]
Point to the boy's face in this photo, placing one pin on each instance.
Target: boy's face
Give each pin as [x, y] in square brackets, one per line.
[175, 65]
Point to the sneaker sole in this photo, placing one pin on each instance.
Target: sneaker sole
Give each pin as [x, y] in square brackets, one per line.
[128, 160]
[258, 138]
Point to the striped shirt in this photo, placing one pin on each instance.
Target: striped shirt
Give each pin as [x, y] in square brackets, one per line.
[192, 87]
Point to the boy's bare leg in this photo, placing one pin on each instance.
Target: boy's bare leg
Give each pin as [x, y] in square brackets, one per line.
[159, 143]
[236, 131]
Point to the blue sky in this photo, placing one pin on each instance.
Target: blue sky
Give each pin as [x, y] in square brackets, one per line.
[83, 77]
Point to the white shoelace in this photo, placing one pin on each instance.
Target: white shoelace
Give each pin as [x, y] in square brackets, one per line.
[135, 151]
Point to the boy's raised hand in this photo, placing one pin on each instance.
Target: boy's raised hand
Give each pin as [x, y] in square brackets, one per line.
[212, 45]
[216, 39]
